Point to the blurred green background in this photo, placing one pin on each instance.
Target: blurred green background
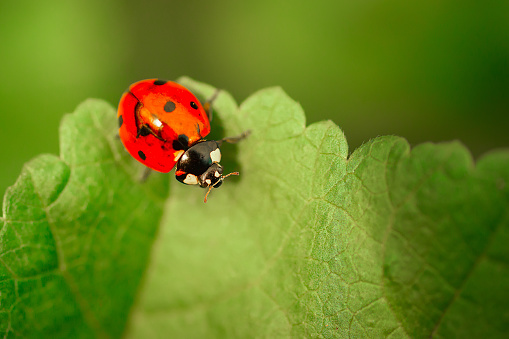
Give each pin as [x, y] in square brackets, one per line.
[430, 71]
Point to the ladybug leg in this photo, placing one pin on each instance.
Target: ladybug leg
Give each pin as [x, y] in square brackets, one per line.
[233, 140]
[145, 130]
[207, 106]
[145, 174]
[198, 129]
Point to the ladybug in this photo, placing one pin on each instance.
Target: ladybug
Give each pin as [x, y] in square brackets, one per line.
[162, 124]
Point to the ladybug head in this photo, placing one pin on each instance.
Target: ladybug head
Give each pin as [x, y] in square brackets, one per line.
[213, 176]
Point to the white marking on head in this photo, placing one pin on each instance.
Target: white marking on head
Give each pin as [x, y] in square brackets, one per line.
[208, 181]
[217, 174]
[191, 179]
[215, 155]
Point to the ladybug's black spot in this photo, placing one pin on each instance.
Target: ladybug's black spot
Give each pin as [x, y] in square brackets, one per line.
[120, 121]
[182, 143]
[160, 82]
[194, 105]
[142, 155]
[169, 106]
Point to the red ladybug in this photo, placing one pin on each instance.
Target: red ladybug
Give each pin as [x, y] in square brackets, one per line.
[161, 123]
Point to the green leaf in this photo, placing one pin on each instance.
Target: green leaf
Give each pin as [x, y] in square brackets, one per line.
[308, 241]
[76, 234]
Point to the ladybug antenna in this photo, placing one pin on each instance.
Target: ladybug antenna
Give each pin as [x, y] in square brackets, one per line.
[220, 180]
